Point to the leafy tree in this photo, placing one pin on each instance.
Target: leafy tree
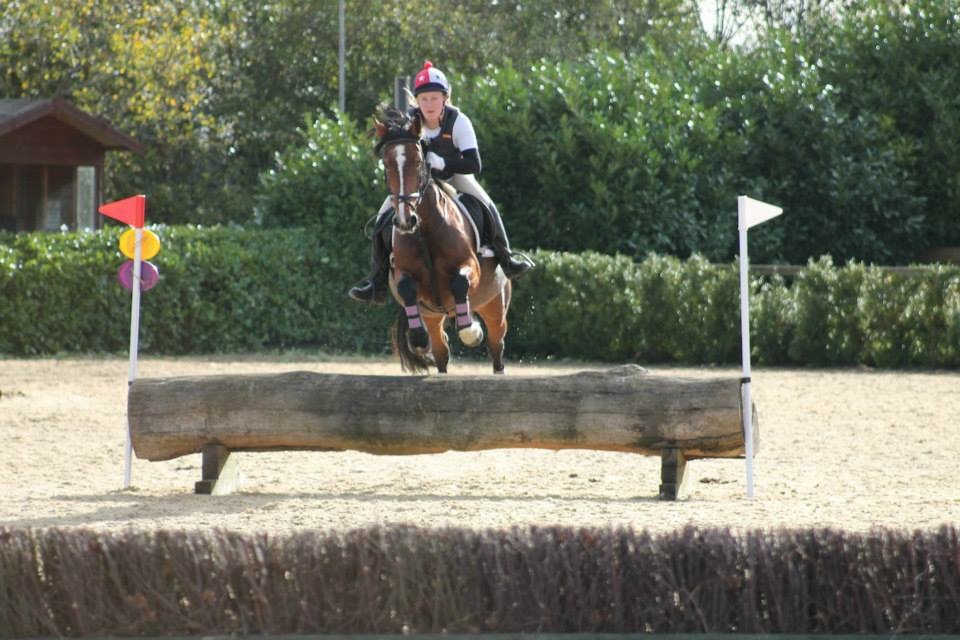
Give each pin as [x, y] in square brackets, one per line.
[609, 153]
[333, 180]
[282, 65]
[744, 21]
[614, 125]
[144, 66]
[896, 63]
[844, 179]
[214, 89]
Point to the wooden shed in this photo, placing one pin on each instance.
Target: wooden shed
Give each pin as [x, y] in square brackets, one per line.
[51, 164]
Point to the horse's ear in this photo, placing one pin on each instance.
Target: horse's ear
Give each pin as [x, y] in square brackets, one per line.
[415, 126]
[379, 128]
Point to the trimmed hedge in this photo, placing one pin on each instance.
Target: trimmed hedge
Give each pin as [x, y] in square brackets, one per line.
[234, 290]
[404, 580]
[220, 290]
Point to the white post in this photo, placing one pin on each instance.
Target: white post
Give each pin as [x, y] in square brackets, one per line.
[747, 403]
[750, 212]
[134, 344]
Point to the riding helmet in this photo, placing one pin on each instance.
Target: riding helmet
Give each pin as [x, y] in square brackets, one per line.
[430, 79]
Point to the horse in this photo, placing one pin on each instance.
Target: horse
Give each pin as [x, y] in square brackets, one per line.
[435, 271]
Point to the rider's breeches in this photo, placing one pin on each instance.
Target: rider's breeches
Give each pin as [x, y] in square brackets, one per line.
[466, 183]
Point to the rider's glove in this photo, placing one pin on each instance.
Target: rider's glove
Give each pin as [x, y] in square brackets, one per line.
[435, 161]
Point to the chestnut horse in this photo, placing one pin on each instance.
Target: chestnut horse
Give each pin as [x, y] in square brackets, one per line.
[435, 271]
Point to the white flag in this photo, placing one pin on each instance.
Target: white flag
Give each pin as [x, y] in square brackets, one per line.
[752, 212]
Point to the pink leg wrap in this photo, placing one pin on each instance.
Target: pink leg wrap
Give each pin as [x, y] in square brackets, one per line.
[463, 315]
[413, 316]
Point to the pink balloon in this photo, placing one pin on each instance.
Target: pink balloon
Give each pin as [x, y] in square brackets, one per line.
[148, 275]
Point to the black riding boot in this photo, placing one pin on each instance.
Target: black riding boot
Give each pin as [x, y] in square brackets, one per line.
[373, 288]
[513, 265]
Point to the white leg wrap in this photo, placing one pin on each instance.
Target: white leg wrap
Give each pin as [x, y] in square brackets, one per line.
[471, 336]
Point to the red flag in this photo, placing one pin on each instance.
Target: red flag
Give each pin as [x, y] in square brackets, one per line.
[131, 210]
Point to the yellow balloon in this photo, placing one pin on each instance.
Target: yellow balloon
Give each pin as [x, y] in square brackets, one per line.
[149, 247]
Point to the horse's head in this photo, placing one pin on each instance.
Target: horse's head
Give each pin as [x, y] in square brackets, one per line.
[398, 138]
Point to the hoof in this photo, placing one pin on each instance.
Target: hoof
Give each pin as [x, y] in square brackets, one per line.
[418, 340]
[471, 336]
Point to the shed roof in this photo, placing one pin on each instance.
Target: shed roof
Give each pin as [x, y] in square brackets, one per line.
[19, 112]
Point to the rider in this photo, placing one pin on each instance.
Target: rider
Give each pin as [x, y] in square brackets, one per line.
[453, 156]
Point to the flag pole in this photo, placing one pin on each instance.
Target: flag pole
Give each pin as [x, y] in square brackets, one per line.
[131, 211]
[750, 212]
[747, 403]
[134, 345]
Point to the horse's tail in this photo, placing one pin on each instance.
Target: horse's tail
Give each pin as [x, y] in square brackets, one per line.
[410, 360]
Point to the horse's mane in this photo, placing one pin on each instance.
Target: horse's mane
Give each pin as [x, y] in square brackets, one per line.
[398, 123]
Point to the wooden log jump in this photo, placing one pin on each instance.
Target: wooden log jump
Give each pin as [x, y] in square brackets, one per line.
[620, 409]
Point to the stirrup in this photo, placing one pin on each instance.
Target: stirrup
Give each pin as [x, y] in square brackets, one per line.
[522, 257]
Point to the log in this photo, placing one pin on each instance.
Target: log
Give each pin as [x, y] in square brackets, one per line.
[620, 409]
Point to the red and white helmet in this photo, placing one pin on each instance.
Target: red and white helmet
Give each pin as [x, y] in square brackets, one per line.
[430, 79]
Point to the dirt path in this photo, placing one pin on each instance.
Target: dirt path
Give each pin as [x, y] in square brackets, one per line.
[851, 449]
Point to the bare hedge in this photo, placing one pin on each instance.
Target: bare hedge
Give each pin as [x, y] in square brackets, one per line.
[410, 580]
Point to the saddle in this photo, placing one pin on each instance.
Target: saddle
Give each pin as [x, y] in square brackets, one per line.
[477, 214]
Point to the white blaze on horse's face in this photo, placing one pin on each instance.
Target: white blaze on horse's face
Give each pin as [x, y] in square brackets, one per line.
[405, 191]
[400, 156]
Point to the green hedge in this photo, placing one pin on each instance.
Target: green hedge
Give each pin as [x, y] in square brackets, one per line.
[233, 290]
[221, 290]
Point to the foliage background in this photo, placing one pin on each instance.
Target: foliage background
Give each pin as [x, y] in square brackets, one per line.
[606, 125]
[618, 131]
[236, 290]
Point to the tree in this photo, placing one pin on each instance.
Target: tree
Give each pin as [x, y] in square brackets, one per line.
[728, 21]
[897, 62]
[214, 89]
[144, 66]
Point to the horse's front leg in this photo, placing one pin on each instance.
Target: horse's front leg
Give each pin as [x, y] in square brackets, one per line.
[417, 337]
[469, 330]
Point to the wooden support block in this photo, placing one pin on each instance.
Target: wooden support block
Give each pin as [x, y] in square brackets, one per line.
[673, 467]
[218, 470]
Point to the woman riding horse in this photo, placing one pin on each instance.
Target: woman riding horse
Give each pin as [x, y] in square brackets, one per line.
[436, 273]
[453, 155]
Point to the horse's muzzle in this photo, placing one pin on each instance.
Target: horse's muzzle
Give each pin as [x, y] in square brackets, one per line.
[410, 225]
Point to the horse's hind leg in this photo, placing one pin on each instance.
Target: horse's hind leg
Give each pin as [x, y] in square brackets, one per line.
[469, 330]
[494, 315]
[417, 336]
[438, 341]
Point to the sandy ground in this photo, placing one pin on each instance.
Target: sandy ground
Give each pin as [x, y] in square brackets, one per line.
[851, 449]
